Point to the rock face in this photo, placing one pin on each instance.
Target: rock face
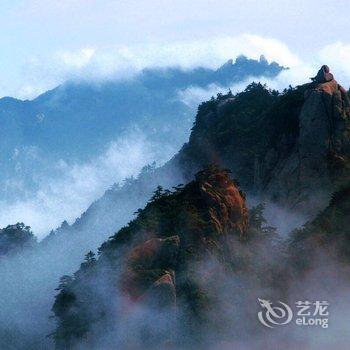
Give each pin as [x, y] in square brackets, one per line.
[320, 159]
[188, 261]
[292, 148]
[161, 268]
[323, 75]
[274, 144]
[227, 210]
[153, 254]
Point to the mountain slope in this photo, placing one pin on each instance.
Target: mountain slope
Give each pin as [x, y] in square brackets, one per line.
[161, 279]
[328, 232]
[292, 148]
[257, 134]
[161, 289]
[76, 121]
[238, 132]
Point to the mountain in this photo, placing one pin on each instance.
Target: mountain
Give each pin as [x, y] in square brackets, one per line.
[72, 122]
[162, 277]
[186, 272]
[291, 148]
[237, 132]
[77, 120]
[274, 144]
[14, 239]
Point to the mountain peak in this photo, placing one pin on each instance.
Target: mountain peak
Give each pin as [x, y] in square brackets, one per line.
[228, 63]
[157, 255]
[263, 59]
[324, 81]
[241, 58]
[235, 70]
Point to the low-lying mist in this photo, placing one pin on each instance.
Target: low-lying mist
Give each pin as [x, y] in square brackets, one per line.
[230, 307]
[29, 278]
[62, 191]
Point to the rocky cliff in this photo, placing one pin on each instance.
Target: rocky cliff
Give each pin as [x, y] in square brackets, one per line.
[320, 157]
[291, 147]
[163, 279]
[183, 272]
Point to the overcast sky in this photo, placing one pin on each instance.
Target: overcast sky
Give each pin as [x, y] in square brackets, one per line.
[45, 42]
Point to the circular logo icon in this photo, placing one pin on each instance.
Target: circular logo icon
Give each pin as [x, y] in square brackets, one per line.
[272, 316]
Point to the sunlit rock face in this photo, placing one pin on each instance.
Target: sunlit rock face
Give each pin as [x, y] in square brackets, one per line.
[161, 268]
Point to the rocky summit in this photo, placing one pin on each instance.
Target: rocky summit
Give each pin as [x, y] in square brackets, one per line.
[160, 270]
[320, 159]
[290, 147]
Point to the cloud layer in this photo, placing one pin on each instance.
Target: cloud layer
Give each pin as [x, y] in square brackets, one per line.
[119, 62]
[115, 62]
[74, 187]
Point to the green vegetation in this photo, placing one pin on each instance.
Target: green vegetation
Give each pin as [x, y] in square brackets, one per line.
[187, 215]
[329, 232]
[14, 238]
[236, 131]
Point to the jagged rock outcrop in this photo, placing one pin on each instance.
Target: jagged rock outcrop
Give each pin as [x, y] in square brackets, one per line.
[162, 267]
[320, 160]
[323, 75]
[292, 148]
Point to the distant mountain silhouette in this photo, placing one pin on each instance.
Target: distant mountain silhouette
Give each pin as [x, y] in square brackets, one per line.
[76, 120]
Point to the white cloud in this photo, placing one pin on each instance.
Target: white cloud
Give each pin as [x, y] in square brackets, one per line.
[194, 95]
[77, 59]
[337, 56]
[296, 75]
[73, 187]
[115, 62]
[44, 72]
[85, 182]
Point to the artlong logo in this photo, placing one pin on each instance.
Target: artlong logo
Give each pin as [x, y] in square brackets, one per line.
[308, 313]
[274, 315]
